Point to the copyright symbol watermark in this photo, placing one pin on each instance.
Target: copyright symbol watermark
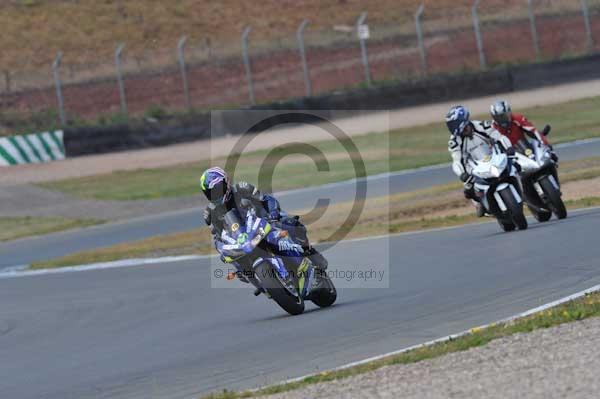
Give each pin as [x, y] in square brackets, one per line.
[257, 126]
[312, 164]
[218, 273]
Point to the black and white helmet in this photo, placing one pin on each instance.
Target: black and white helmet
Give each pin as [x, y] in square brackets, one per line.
[501, 113]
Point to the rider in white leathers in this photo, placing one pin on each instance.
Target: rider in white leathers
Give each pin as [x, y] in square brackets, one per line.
[468, 137]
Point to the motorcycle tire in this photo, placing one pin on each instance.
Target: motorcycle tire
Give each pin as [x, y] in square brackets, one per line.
[326, 295]
[507, 226]
[540, 216]
[554, 200]
[294, 305]
[514, 209]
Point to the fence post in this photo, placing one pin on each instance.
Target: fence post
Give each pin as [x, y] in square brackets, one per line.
[418, 16]
[247, 64]
[588, 27]
[59, 95]
[301, 47]
[118, 52]
[478, 34]
[534, 35]
[182, 67]
[7, 81]
[363, 47]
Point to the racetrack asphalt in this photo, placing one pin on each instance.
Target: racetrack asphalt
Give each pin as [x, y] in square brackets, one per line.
[161, 331]
[25, 251]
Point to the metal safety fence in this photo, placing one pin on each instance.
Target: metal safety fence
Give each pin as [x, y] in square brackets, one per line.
[197, 74]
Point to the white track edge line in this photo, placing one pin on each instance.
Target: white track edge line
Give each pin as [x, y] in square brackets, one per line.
[18, 271]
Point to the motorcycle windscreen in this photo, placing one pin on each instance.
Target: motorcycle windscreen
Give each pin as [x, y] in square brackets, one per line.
[233, 222]
[481, 152]
[524, 147]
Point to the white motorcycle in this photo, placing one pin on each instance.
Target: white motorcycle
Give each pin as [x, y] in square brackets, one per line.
[539, 179]
[497, 186]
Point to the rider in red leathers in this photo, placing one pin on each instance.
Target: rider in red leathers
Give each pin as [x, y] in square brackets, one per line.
[515, 126]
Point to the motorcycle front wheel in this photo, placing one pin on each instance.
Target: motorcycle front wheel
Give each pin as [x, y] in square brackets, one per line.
[326, 295]
[507, 226]
[541, 215]
[515, 209]
[554, 199]
[268, 277]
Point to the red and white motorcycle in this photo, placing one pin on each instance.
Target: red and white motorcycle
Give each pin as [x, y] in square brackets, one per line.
[539, 179]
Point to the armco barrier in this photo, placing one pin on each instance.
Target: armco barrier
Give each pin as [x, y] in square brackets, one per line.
[31, 148]
[103, 139]
[96, 140]
[548, 73]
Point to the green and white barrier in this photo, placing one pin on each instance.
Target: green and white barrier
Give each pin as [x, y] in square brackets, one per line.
[32, 148]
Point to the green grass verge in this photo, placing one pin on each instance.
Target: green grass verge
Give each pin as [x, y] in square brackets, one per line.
[198, 241]
[12, 228]
[398, 150]
[579, 309]
[190, 242]
[583, 203]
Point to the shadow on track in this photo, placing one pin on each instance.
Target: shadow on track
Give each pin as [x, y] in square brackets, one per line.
[318, 310]
[533, 224]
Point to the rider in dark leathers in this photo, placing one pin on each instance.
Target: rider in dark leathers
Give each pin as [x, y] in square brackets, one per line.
[223, 196]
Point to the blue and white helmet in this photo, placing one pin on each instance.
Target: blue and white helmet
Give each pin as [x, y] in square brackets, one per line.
[457, 119]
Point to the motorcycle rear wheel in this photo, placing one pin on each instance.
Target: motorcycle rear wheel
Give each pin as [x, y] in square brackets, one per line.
[294, 305]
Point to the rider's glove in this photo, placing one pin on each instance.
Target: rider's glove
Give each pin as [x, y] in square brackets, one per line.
[207, 217]
[518, 167]
[464, 177]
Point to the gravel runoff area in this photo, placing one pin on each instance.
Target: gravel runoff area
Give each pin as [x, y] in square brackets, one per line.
[558, 362]
[364, 124]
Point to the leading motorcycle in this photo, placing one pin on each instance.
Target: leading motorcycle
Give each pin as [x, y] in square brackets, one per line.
[268, 258]
[497, 187]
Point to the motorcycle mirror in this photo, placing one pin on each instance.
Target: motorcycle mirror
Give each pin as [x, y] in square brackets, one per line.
[546, 130]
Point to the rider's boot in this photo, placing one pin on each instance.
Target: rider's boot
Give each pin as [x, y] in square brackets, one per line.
[479, 209]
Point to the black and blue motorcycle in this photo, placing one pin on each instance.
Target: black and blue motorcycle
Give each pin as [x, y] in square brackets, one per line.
[267, 257]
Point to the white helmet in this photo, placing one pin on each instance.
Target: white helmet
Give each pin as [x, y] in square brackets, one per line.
[501, 113]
